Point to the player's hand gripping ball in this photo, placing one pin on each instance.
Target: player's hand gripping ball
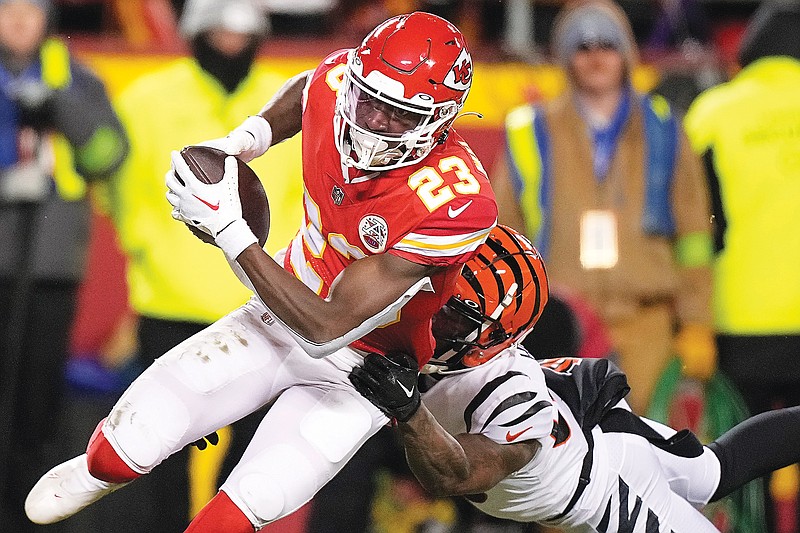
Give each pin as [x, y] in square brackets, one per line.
[208, 164]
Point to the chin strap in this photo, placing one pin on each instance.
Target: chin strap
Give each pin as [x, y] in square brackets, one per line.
[446, 133]
[469, 114]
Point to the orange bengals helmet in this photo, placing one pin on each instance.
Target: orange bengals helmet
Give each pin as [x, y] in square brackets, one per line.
[498, 297]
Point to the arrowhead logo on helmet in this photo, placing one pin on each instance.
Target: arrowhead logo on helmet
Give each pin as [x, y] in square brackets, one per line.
[459, 76]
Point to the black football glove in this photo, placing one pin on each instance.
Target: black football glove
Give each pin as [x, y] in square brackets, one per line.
[201, 444]
[390, 383]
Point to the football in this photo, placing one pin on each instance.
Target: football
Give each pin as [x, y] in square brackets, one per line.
[208, 164]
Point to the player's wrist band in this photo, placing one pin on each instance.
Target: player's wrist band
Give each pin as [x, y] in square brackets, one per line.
[235, 238]
[260, 129]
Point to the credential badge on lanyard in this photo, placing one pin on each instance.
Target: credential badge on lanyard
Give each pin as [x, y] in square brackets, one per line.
[599, 247]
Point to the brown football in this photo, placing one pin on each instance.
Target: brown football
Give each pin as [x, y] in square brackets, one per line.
[208, 164]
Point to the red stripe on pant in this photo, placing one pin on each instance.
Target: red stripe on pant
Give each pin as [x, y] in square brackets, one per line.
[104, 462]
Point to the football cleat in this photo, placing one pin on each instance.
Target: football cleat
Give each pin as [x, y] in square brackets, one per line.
[65, 490]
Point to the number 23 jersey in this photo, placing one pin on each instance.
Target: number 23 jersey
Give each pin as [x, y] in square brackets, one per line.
[436, 212]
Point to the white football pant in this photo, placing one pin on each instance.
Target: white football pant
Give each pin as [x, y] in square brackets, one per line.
[235, 366]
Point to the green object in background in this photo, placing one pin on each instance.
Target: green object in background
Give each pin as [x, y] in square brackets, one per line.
[712, 409]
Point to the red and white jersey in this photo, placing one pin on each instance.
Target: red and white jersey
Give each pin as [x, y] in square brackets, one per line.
[508, 401]
[436, 212]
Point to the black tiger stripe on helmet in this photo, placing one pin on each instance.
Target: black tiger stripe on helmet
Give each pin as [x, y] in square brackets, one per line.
[498, 298]
[520, 262]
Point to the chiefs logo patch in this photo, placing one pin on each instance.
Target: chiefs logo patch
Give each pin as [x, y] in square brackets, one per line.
[374, 232]
[460, 73]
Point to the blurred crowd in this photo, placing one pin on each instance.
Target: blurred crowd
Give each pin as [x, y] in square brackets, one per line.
[666, 215]
[514, 25]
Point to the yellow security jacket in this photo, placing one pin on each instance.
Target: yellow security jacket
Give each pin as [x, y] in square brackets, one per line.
[749, 131]
[171, 274]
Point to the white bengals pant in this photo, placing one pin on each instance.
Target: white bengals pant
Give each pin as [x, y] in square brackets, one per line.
[631, 491]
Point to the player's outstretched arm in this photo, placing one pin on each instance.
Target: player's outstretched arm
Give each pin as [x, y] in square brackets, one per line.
[284, 111]
[279, 119]
[461, 465]
[443, 464]
[368, 293]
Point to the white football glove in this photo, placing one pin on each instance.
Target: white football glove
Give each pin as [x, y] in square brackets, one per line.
[214, 209]
[251, 139]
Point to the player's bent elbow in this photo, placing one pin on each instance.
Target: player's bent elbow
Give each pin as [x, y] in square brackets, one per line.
[318, 336]
[320, 351]
[320, 346]
[331, 335]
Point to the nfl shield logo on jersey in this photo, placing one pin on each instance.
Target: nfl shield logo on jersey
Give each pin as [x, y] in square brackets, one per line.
[373, 231]
[337, 195]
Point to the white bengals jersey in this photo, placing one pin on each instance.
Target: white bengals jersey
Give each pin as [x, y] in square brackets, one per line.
[507, 400]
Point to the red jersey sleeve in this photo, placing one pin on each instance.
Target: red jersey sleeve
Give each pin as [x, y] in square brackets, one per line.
[330, 70]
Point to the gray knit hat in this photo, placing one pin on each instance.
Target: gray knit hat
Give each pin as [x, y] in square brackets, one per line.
[241, 16]
[592, 21]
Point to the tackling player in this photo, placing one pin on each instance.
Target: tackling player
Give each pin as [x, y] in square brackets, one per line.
[395, 203]
[552, 442]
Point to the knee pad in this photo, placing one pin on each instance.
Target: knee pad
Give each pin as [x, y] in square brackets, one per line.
[147, 425]
[273, 484]
[283, 476]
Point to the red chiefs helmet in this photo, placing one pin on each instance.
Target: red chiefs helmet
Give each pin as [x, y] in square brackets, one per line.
[413, 73]
[497, 300]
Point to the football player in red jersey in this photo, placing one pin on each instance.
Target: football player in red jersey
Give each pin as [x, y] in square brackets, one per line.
[552, 441]
[395, 203]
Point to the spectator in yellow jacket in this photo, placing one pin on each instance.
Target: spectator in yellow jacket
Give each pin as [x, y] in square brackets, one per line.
[748, 132]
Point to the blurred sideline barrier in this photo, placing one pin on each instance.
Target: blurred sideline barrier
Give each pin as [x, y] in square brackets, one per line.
[496, 88]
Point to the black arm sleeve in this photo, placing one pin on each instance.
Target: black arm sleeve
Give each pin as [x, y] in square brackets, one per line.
[719, 222]
[755, 447]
